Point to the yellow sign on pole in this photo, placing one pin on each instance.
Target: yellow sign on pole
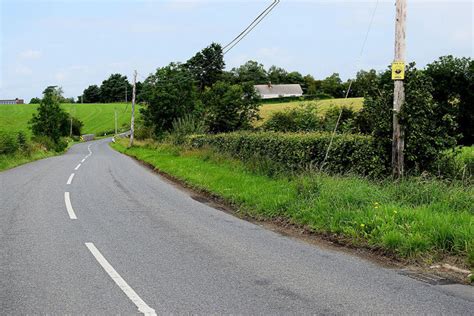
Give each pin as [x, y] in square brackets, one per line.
[398, 70]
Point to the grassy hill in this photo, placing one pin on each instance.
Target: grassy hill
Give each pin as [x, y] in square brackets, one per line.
[97, 118]
[267, 109]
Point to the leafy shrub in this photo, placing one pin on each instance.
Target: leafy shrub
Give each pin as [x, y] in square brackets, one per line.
[345, 122]
[429, 129]
[21, 139]
[298, 151]
[306, 118]
[170, 94]
[60, 145]
[8, 144]
[45, 142]
[186, 125]
[143, 132]
[230, 107]
[76, 126]
[50, 120]
[302, 119]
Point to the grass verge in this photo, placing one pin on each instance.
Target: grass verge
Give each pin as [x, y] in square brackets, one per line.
[18, 158]
[412, 220]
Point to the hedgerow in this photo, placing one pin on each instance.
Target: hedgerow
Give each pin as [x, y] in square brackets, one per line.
[350, 153]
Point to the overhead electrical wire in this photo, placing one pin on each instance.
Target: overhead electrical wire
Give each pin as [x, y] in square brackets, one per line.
[269, 8]
[234, 41]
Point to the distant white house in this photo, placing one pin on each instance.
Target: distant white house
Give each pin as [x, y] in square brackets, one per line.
[12, 101]
[271, 91]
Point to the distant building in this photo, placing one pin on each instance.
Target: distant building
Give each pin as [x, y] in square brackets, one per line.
[269, 91]
[16, 101]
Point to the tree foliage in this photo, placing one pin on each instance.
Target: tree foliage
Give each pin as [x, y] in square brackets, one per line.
[333, 86]
[230, 107]
[428, 127]
[207, 65]
[453, 83]
[35, 101]
[277, 75]
[50, 120]
[252, 72]
[169, 94]
[115, 88]
[364, 82]
[92, 94]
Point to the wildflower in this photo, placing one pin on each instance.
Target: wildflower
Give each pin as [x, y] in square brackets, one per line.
[362, 225]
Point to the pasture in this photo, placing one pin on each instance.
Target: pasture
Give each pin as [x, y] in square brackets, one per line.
[267, 109]
[97, 118]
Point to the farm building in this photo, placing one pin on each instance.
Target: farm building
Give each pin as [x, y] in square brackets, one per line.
[15, 101]
[269, 91]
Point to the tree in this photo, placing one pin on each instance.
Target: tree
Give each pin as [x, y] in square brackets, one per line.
[252, 72]
[207, 65]
[169, 94]
[333, 86]
[453, 82]
[294, 77]
[277, 75]
[311, 86]
[427, 135]
[138, 91]
[229, 107]
[35, 101]
[50, 119]
[92, 94]
[364, 82]
[114, 88]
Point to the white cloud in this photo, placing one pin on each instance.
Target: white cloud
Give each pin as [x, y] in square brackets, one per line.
[30, 54]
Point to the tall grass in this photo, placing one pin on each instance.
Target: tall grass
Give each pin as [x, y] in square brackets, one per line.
[413, 219]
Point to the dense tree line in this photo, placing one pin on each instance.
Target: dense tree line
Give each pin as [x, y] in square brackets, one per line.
[225, 100]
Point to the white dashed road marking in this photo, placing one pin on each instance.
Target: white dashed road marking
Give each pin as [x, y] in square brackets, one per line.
[132, 295]
[77, 167]
[69, 181]
[70, 211]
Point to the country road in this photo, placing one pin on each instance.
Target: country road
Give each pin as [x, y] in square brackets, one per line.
[115, 238]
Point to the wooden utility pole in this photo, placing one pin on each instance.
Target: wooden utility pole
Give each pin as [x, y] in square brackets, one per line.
[70, 129]
[398, 142]
[132, 123]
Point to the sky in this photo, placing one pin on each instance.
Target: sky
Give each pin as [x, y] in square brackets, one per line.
[76, 43]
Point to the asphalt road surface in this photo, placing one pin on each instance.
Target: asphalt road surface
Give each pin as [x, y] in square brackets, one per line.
[116, 238]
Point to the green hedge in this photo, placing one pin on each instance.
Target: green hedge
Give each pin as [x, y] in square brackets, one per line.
[297, 151]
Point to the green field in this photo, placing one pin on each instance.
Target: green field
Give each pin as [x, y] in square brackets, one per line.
[323, 105]
[97, 118]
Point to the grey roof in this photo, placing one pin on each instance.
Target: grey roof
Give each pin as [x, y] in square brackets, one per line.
[279, 89]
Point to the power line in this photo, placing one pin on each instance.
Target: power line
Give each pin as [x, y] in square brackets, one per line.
[272, 6]
[232, 44]
[255, 20]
